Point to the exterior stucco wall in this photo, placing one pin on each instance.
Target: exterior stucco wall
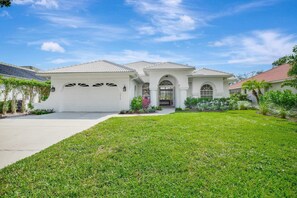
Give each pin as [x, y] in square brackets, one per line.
[219, 85]
[57, 101]
[181, 85]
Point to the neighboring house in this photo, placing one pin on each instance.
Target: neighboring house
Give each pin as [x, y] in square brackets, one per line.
[103, 86]
[276, 76]
[8, 70]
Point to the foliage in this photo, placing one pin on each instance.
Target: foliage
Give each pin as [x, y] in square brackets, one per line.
[207, 104]
[5, 3]
[178, 109]
[27, 88]
[41, 111]
[136, 103]
[225, 154]
[292, 60]
[145, 102]
[263, 107]
[282, 103]
[283, 99]
[280, 61]
[256, 86]
[159, 108]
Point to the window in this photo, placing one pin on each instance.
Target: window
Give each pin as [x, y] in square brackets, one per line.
[98, 84]
[83, 85]
[70, 85]
[165, 82]
[206, 91]
[111, 84]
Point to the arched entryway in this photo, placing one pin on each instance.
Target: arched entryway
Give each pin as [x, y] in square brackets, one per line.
[167, 92]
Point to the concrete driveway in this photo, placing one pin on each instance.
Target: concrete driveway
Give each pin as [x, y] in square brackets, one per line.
[23, 136]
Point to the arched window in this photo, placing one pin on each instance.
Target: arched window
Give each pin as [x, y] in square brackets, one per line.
[165, 82]
[206, 91]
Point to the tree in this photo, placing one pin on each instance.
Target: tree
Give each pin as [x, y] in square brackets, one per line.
[255, 87]
[292, 60]
[244, 76]
[5, 3]
[280, 61]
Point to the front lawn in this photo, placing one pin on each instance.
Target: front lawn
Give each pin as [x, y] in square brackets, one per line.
[235, 153]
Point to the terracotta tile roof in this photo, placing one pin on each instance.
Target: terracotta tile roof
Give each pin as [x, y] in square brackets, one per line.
[275, 74]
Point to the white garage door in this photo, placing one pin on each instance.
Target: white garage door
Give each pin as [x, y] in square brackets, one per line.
[97, 97]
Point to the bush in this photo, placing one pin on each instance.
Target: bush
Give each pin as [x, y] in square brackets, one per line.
[178, 109]
[244, 105]
[280, 103]
[159, 108]
[263, 108]
[41, 111]
[145, 102]
[286, 99]
[136, 103]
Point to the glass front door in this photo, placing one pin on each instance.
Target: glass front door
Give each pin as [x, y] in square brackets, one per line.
[166, 96]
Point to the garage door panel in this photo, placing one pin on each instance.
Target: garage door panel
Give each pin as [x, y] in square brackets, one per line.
[91, 99]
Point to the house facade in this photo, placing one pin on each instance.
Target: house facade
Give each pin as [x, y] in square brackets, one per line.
[103, 86]
[275, 76]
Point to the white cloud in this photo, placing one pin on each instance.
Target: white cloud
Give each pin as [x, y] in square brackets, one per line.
[147, 30]
[47, 3]
[52, 47]
[38, 3]
[257, 47]
[22, 2]
[4, 14]
[169, 18]
[179, 37]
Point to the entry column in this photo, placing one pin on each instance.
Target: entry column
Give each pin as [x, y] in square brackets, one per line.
[154, 97]
[183, 96]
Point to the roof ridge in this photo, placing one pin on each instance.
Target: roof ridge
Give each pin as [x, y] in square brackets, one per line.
[18, 67]
[139, 62]
[118, 65]
[215, 70]
[95, 61]
[72, 65]
[181, 64]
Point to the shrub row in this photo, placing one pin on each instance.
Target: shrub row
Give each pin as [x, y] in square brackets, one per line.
[281, 103]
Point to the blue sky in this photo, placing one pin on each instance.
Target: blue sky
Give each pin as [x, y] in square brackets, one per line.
[232, 35]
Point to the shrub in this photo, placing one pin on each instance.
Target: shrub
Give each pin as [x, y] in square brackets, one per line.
[145, 102]
[244, 105]
[280, 103]
[286, 99]
[42, 111]
[159, 108]
[191, 102]
[263, 108]
[178, 109]
[136, 103]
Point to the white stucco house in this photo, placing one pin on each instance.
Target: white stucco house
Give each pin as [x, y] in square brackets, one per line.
[104, 86]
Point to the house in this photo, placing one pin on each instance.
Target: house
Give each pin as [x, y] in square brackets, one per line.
[276, 76]
[104, 86]
[13, 71]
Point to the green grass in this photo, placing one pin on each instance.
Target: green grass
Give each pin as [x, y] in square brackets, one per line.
[235, 153]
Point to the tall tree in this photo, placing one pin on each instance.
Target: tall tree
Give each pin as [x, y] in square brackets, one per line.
[292, 60]
[5, 3]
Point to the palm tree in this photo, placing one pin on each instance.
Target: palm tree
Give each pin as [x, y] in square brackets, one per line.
[256, 86]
